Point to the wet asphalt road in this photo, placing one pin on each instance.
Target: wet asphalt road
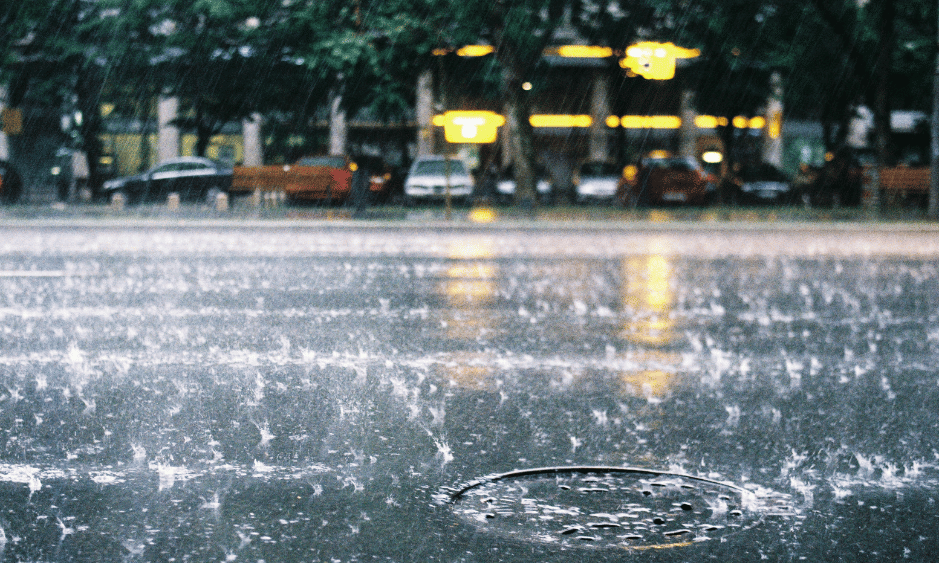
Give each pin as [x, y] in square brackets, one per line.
[311, 392]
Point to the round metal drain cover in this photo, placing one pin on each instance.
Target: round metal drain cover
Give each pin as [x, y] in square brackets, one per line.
[621, 507]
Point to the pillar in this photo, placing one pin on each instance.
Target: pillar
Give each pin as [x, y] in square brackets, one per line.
[251, 133]
[599, 111]
[688, 133]
[4, 142]
[772, 132]
[338, 128]
[425, 113]
[168, 133]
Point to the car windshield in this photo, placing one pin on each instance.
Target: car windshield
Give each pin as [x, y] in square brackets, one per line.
[327, 161]
[763, 173]
[599, 169]
[439, 168]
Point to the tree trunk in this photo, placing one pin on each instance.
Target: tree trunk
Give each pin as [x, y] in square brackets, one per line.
[522, 147]
[883, 64]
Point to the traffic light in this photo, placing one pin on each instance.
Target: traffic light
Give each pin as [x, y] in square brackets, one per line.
[470, 126]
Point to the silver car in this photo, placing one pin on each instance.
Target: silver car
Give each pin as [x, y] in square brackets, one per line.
[430, 177]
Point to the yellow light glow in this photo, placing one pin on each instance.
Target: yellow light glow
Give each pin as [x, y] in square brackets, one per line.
[757, 122]
[629, 172]
[545, 120]
[475, 50]
[712, 157]
[612, 121]
[659, 154]
[775, 124]
[470, 126]
[706, 121]
[353, 167]
[655, 61]
[585, 51]
[741, 122]
[482, 215]
[440, 52]
[107, 109]
[650, 122]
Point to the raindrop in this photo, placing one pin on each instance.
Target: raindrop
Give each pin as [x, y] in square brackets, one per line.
[677, 533]
[658, 520]
[686, 506]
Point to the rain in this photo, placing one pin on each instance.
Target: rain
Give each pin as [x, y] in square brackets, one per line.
[271, 393]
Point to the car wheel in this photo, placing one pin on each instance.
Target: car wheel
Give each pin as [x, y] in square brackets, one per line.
[211, 195]
[11, 185]
[119, 197]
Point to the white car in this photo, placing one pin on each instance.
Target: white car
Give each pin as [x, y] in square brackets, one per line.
[505, 187]
[596, 181]
[430, 176]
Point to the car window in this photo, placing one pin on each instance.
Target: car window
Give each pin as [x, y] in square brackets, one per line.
[328, 161]
[439, 167]
[599, 169]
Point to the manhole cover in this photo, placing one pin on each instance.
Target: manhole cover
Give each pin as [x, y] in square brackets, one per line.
[609, 507]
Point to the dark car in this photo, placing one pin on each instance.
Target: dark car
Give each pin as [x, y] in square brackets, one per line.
[385, 181]
[11, 184]
[666, 180]
[758, 183]
[193, 178]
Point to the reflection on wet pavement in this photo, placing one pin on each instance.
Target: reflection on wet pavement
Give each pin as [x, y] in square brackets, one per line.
[288, 395]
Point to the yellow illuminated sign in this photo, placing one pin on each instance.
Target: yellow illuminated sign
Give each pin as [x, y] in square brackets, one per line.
[655, 61]
[475, 50]
[584, 51]
[561, 120]
[470, 126]
[650, 121]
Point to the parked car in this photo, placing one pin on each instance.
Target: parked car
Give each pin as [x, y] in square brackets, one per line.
[321, 178]
[667, 180]
[429, 177]
[193, 178]
[505, 186]
[11, 183]
[758, 183]
[385, 182]
[595, 181]
[839, 182]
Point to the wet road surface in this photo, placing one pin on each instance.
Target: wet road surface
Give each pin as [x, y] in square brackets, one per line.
[308, 393]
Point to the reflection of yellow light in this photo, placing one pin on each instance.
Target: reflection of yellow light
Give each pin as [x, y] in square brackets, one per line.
[544, 120]
[472, 270]
[475, 50]
[712, 157]
[648, 383]
[655, 61]
[647, 291]
[585, 51]
[482, 215]
[651, 121]
[775, 124]
[470, 247]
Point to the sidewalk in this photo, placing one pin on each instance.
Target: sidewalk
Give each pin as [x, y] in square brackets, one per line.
[607, 217]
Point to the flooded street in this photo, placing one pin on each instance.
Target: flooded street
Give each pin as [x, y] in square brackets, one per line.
[313, 393]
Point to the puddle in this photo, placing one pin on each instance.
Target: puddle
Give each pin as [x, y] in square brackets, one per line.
[610, 507]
